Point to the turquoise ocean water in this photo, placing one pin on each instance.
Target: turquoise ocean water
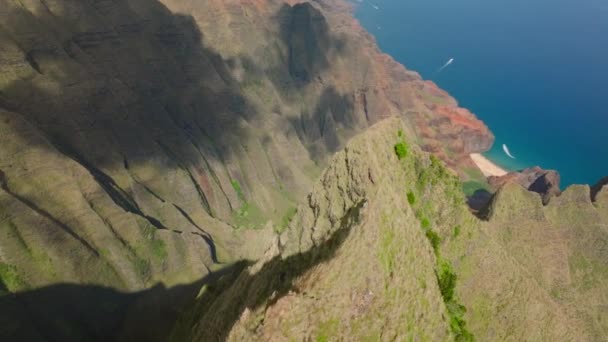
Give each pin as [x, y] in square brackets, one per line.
[535, 71]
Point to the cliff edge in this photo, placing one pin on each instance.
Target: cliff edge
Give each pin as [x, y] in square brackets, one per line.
[385, 248]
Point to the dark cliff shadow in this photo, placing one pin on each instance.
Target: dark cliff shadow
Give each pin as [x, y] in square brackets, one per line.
[214, 314]
[113, 84]
[310, 43]
[116, 84]
[70, 312]
[479, 202]
[204, 310]
[134, 83]
[308, 49]
[595, 189]
[318, 129]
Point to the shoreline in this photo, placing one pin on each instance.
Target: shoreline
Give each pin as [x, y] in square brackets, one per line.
[487, 167]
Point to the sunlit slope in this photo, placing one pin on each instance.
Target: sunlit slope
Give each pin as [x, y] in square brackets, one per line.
[384, 247]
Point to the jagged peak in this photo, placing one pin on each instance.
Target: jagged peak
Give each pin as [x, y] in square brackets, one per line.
[579, 194]
[348, 181]
[358, 229]
[512, 202]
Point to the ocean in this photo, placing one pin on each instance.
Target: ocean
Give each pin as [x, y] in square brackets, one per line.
[535, 71]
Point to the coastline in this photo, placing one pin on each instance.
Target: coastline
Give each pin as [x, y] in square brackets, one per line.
[487, 167]
[455, 114]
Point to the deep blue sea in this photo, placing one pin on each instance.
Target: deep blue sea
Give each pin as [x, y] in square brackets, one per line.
[535, 71]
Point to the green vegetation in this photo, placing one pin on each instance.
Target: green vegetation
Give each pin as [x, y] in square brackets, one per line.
[411, 198]
[434, 239]
[237, 187]
[432, 174]
[425, 223]
[469, 188]
[473, 173]
[39, 256]
[287, 218]
[475, 180]
[9, 278]
[327, 330]
[388, 248]
[159, 249]
[456, 231]
[446, 279]
[436, 180]
[437, 175]
[249, 216]
[401, 149]
[457, 323]
[142, 267]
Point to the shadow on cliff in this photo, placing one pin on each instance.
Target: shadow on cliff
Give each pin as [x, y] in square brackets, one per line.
[319, 128]
[113, 84]
[70, 312]
[479, 201]
[138, 83]
[205, 310]
[309, 41]
[311, 46]
[134, 85]
[215, 313]
[307, 50]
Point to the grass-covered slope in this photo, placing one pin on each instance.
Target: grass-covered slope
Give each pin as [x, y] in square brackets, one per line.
[143, 139]
[354, 263]
[385, 248]
[146, 143]
[562, 248]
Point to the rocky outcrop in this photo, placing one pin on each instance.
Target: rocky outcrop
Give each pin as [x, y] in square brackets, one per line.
[543, 182]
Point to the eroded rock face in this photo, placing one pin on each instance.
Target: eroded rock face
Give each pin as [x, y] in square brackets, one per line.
[543, 182]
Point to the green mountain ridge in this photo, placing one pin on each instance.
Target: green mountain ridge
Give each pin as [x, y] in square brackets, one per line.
[259, 170]
[358, 262]
[133, 132]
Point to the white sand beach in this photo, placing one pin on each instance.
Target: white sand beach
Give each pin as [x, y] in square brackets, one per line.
[486, 166]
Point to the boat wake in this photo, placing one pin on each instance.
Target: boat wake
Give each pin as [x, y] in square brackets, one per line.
[507, 152]
[447, 64]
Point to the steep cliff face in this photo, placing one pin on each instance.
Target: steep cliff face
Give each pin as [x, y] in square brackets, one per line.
[148, 130]
[385, 248]
[562, 247]
[354, 263]
[152, 151]
[543, 182]
[142, 140]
